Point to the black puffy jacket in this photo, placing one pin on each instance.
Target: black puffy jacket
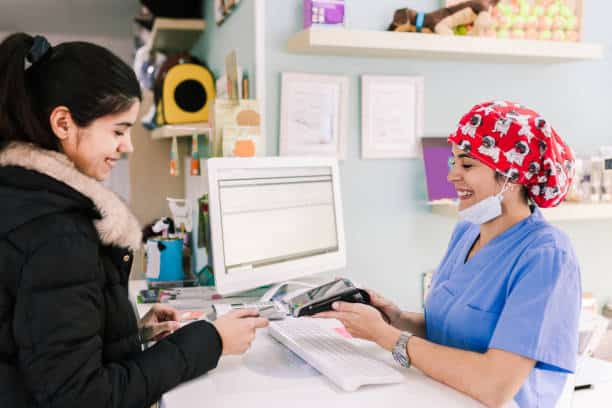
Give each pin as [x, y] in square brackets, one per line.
[68, 333]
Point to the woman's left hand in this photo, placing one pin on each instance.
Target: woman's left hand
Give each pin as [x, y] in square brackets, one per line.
[364, 322]
[159, 322]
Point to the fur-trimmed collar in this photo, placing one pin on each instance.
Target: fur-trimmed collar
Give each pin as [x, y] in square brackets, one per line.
[117, 227]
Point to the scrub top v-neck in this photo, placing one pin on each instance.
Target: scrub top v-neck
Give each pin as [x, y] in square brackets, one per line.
[519, 293]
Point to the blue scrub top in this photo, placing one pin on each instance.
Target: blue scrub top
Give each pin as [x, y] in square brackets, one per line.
[519, 293]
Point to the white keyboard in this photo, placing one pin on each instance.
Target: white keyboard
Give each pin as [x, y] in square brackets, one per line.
[333, 356]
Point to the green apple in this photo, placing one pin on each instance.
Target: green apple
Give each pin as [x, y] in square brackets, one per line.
[524, 10]
[565, 10]
[518, 33]
[461, 30]
[519, 22]
[505, 9]
[571, 23]
[538, 11]
[532, 22]
[503, 33]
[553, 10]
[545, 35]
[559, 23]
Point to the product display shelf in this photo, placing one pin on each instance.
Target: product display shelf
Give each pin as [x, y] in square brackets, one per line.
[174, 34]
[370, 43]
[179, 130]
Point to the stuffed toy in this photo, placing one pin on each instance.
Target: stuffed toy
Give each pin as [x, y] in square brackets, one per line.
[445, 20]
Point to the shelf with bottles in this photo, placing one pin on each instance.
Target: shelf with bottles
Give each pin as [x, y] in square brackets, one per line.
[196, 134]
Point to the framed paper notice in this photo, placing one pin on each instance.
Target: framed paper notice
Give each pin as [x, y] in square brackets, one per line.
[391, 116]
[314, 110]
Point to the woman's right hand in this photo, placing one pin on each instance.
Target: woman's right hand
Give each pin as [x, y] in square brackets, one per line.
[237, 329]
[386, 306]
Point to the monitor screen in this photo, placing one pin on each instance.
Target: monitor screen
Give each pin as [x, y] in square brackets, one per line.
[273, 219]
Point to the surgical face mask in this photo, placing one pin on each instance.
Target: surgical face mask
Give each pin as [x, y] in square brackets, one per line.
[484, 210]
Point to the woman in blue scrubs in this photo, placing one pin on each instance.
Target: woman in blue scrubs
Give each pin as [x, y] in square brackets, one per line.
[501, 318]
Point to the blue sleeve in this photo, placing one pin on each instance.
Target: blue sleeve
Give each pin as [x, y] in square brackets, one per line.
[540, 317]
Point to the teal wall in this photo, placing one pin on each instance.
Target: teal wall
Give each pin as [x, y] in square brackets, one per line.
[391, 236]
[236, 33]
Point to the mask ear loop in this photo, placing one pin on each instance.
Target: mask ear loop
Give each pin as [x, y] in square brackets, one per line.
[504, 188]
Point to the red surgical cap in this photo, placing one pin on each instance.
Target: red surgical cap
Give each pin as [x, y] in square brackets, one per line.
[520, 144]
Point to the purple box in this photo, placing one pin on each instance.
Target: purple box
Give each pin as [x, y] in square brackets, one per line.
[323, 12]
[436, 152]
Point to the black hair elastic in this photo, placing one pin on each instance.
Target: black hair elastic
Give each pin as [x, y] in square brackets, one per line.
[39, 49]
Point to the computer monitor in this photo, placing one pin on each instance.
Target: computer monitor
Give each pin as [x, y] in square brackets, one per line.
[273, 219]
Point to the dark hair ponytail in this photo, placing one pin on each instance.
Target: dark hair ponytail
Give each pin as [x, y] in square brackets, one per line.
[17, 118]
[88, 79]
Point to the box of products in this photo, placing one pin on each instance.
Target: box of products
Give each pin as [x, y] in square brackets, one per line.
[550, 20]
[323, 13]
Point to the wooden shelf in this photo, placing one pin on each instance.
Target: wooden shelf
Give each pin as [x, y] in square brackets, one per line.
[175, 34]
[564, 212]
[369, 43]
[179, 130]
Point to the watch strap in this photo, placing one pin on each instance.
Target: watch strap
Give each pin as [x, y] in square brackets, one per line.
[400, 353]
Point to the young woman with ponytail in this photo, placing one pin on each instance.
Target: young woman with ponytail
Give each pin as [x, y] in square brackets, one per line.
[68, 334]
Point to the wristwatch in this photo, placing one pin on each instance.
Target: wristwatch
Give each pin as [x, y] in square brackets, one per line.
[399, 352]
